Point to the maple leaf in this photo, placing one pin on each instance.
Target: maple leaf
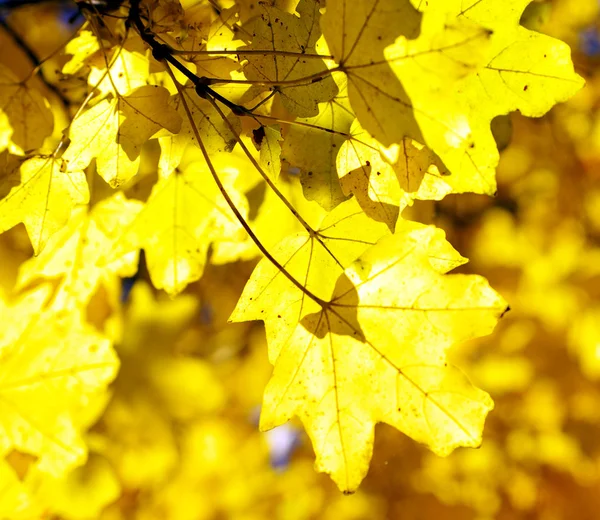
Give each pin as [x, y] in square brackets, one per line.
[446, 96]
[315, 261]
[53, 364]
[386, 180]
[402, 88]
[184, 214]
[118, 72]
[341, 371]
[323, 135]
[508, 82]
[268, 139]
[366, 172]
[216, 133]
[81, 47]
[43, 201]
[25, 115]
[356, 110]
[277, 29]
[113, 132]
[376, 95]
[503, 81]
[73, 254]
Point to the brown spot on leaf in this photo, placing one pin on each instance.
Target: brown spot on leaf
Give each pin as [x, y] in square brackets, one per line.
[258, 135]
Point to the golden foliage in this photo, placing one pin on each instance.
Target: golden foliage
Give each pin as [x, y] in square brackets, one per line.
[293, 163]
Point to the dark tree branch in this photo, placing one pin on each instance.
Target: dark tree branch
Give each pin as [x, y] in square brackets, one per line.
[37, 63]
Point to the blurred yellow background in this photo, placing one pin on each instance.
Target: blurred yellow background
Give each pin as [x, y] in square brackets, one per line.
[179, 438]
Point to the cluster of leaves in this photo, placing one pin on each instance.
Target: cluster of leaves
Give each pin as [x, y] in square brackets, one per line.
[210, 135]
[540, 249]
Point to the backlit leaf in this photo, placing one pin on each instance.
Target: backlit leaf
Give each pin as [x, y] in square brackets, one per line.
[49, 190]
[341, 371]
[120, 71]
[315, 262]
[277, 29]
[515, 63]
[216, 134]
[183, 216]
[74, 253]
[376, 95]
[323, 135]
[25, 115]
[49, 373]
[113, 132]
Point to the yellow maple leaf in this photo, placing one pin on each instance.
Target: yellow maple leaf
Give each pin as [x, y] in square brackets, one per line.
[446, 56]
[120, 70]
[366, 172]
[73, 253]
[386, 180]
[25, 115]
[216, 133]
[401, 86]
[114, 131]
[49, 189]
[507, 82]
[270, 150]
[314, 261]
[323, 135]
[53, 364]
[277, 29]
[84, 45]
[518, 70]
[444, 86]
[376, 352]
[183, 216]
[376, 95]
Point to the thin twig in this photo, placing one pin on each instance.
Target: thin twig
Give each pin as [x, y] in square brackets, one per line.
[232, 205]
[253, 52]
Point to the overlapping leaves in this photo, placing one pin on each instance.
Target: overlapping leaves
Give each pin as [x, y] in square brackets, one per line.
[401, 109]
[341, 371]
[54, 366]
[432, 87]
